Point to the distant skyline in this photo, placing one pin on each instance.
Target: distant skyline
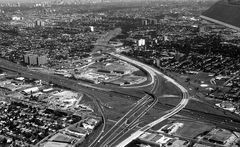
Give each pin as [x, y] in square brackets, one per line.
[34, 1]
[22, 1]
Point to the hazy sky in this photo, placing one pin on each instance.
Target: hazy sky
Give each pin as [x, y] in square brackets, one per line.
[21, 0]
[27, 1]
[16, 0]
[45, 0]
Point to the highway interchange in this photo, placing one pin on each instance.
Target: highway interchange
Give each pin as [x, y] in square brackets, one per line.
[179, 107]
[127, 124]
[136, 113]
[140, 108]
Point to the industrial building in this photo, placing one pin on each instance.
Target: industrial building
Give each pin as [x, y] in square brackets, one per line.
[31, 90]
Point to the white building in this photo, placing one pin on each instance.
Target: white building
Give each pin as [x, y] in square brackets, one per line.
[16, 18]
[31, 90]
[92, 28]
[141, 42]
[165, 38]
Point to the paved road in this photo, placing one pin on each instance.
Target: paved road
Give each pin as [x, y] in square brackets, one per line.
[154, 81]
[112, 136]
[119, 124]
[153, 72]
[61, 82]
[98, 103]
[130, 126]
[102, 43]
[178, 108]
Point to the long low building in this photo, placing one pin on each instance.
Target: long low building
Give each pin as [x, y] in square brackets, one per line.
[224, 12]
[31, 90]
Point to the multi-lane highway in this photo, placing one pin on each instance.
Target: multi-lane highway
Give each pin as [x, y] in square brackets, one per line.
[61, 82]
[131, 119]
[98, 103]
[129, 127]
[139, 107]
[113, 134]
[179, 107]
[135, 112]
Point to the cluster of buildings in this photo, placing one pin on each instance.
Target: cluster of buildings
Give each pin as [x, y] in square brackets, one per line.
[45, 111]
[42, 93]
[58, 33]
[71, 136]
[20, 21]
[230, 97]
[223, 68]
[205, 49]
[174, 40]
[35, 60]
[109, 70]
[54, 43]
[149, 21]
[28, 125]
[169, 136]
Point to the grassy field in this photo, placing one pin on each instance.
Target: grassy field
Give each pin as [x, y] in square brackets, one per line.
[192, 129]
[115, 106]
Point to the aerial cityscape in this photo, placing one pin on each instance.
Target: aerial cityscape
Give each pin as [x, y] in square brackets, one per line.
[129, 73]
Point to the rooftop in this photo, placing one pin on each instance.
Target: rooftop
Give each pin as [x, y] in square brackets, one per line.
[56, 144]
[61, 138]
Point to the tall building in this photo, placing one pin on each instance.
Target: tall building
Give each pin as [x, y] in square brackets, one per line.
[41, 60]
[144, 22]
[30, 25]
[224, 12]
[25, 59]
[39, 23]
[165, 38]
[157, 62]
[17, 18]
[91, 28]
[141, 42]
[32, 59]
[203, 29]
[153, 21]
[149, 21]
